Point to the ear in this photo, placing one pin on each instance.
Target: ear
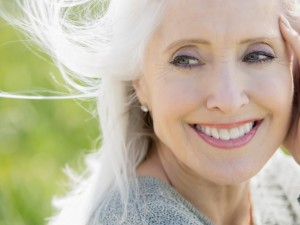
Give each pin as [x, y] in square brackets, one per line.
[141, 90]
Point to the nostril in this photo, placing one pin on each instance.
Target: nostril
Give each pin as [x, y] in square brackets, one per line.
[228, 101]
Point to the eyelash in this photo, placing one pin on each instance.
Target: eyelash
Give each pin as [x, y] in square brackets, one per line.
[177, 59]
[268, 57]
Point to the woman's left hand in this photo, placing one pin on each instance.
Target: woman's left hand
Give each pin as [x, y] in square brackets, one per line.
[292, 140]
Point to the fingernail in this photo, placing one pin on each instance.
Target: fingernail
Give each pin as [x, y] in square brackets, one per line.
[285, 22]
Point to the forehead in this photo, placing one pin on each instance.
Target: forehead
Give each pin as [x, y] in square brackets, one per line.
[213, 19]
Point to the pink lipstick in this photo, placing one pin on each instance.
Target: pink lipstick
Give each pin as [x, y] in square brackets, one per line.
[228, 136]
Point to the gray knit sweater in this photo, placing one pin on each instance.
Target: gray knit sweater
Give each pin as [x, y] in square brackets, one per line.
[274, 195]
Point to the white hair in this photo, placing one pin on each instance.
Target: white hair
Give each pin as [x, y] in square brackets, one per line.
[99, 46]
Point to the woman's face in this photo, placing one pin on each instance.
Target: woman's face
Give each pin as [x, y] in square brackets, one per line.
[217, 80]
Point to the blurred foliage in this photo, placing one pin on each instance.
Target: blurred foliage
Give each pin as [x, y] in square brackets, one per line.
[37, 137]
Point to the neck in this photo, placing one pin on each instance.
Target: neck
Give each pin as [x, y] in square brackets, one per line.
[222, 204]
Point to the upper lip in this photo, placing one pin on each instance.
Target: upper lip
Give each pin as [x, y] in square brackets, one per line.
[227, 125]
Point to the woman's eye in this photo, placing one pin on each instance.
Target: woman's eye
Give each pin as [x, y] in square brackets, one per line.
[185, 61]
[258, 57]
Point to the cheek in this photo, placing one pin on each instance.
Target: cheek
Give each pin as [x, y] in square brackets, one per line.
[176, 97]
[274, 91]
[172, 100]
[271, 95]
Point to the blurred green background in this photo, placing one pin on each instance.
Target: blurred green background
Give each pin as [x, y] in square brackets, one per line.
[37, 137]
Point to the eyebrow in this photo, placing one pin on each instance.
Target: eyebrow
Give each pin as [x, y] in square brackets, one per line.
[260, 39]
[183, 42]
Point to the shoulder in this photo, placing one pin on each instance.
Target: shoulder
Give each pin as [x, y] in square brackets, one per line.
[153, 203]
[275, 190]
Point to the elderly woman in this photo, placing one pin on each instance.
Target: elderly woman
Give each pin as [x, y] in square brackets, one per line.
[195, 97]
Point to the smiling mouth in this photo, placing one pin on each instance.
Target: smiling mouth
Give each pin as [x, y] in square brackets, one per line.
[228, 136]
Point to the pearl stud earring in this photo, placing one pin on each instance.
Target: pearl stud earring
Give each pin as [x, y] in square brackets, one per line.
[144, 108]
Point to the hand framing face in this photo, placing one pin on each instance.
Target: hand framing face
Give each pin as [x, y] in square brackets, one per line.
[292, 38]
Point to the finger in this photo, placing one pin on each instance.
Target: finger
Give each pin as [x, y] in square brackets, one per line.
[290, 35]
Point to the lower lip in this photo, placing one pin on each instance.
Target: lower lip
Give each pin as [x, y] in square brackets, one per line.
[230, 144]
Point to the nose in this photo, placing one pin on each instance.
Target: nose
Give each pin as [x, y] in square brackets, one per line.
[227, 93]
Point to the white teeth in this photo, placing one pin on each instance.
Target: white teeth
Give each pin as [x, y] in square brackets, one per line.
[214, 133]
[207, 130]
[199, 128]
[226, 134]
[242, 130]
[234, 133]
[247, 128]
[250, 126]
[202, 129]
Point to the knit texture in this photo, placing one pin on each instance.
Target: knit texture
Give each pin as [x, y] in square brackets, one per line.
[275, 191]
[274, 194]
